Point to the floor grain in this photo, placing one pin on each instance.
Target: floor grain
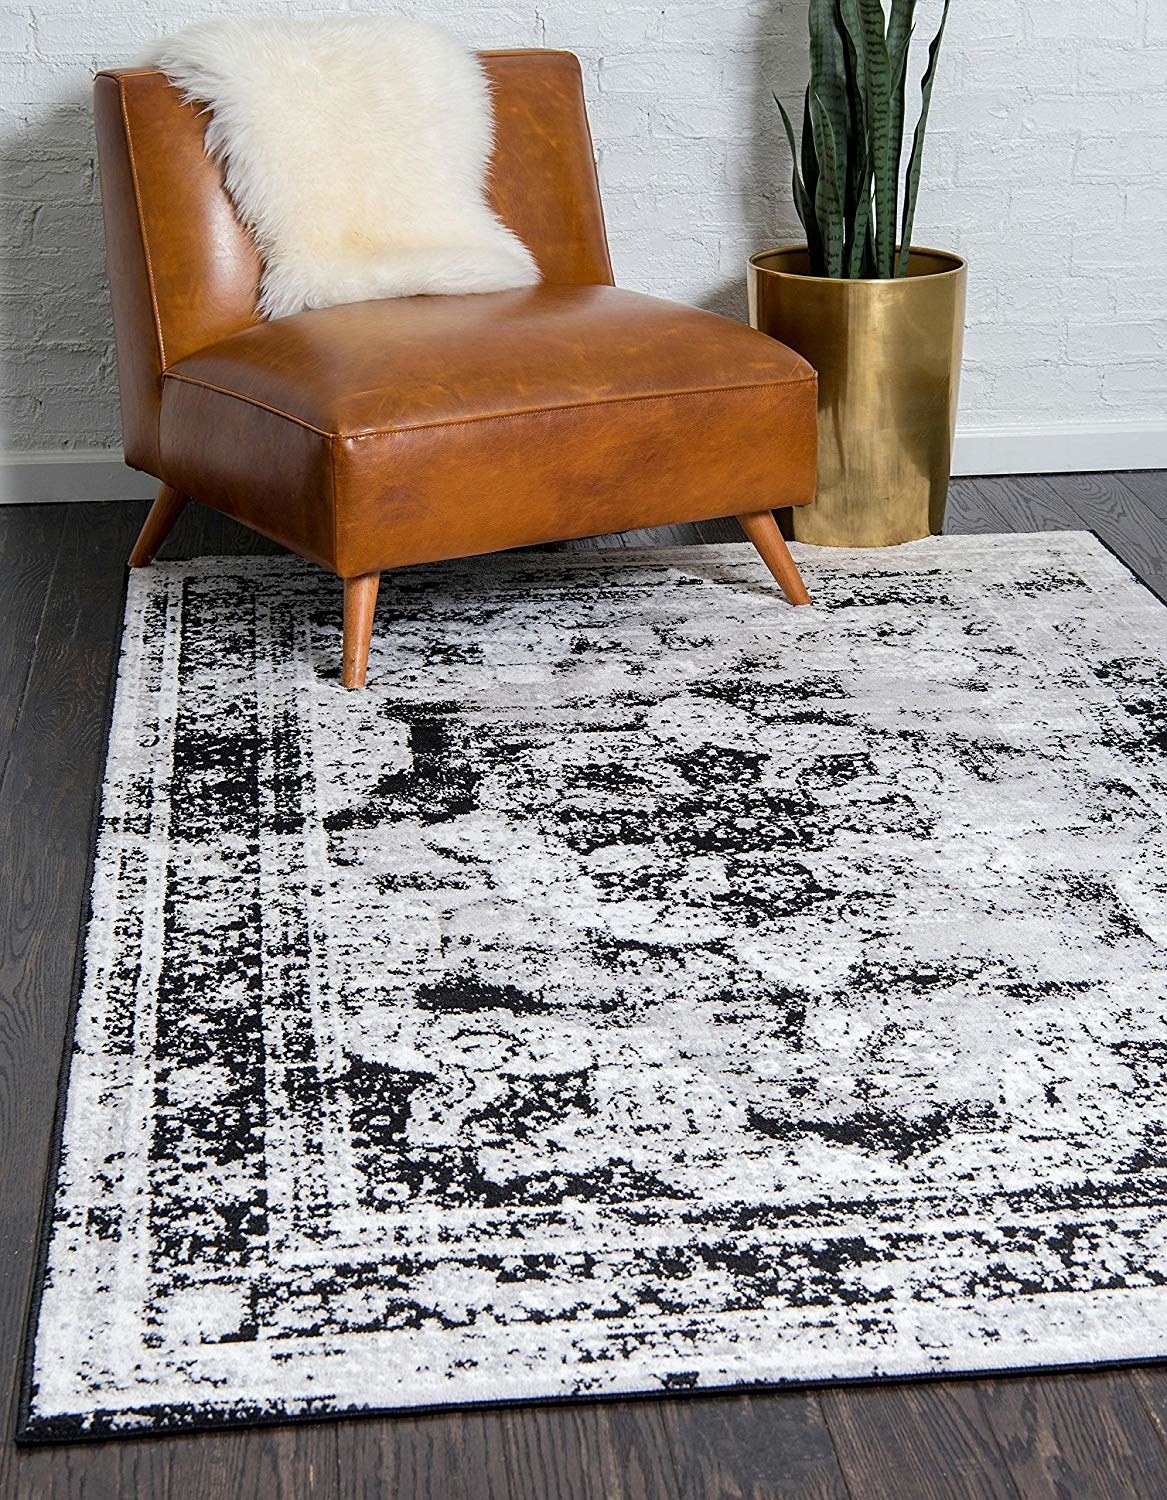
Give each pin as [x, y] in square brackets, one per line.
[917, 1441]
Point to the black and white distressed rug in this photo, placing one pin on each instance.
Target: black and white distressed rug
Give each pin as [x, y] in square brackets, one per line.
[643, 986]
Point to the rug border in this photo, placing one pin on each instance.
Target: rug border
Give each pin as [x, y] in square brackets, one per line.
[25, 1436]
[25, 1439]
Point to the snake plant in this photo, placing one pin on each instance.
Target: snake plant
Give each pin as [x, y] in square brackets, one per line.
[847, 172]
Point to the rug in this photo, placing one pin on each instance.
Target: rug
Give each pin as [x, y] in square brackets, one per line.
[643, 986]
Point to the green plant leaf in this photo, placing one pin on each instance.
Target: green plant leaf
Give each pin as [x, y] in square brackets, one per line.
[899, 40]
[915, 161]
[829, 198]
[858, 198]
[853, 30]
[860, 241]
[810, 178]
[828, 74]
[867, 263]
[803, 201]
[878, 91]
[796, 184]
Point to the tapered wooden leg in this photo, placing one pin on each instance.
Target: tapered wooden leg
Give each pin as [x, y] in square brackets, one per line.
[360, 602]
[762, 529]
[156, 527]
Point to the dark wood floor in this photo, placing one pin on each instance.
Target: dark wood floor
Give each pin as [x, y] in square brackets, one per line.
[1075, 1436]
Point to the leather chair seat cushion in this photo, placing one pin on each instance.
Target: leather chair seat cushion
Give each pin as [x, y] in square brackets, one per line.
[379, 433]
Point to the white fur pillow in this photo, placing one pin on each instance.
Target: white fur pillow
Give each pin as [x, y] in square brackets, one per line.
[355, 150]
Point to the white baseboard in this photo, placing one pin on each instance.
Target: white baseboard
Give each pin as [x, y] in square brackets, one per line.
[1072, 448]
[34, 477]
[38, 476]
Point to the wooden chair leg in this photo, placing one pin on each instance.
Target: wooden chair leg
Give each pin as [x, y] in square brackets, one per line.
[156, 527]
[360, 603]
[762, 529]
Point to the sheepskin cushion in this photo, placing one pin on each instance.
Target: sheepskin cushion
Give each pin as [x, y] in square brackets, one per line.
[355, 150]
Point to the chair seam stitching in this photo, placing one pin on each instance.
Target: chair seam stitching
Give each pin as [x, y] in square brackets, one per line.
[498, 416]
[222, 390]
[536, 411]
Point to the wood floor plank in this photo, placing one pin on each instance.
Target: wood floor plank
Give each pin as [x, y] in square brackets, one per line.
[1082, 1435]
[98, 1470]
[455, 1454]
[1150, 1384]
[607, 541]
[296, 1462]
[645, 1442]
[726, 529]
[683, 535]
[1024, 503]
[968, 513]
[567, 1450]
[1147, 485]
[30, 538]
[756, 1447]
[577, 1451]
[916, 1441]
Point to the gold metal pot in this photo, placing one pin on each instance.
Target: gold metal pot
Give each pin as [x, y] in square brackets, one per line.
[888, 359]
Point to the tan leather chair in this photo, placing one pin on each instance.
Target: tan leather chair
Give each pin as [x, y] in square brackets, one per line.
[383, 433]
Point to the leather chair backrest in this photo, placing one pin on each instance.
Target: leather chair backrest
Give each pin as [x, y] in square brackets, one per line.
[184, 273]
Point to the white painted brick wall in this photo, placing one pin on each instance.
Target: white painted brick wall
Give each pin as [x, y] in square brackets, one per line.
[1046, 166]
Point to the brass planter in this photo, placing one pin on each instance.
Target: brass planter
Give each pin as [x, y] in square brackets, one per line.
[888, 358]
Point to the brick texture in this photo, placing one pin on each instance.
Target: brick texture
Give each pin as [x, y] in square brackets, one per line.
[1045, 166]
